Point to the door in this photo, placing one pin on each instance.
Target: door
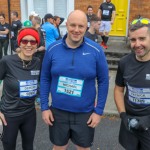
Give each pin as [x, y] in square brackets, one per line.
[119, 26]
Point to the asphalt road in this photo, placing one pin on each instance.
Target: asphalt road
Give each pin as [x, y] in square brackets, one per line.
[106, 135]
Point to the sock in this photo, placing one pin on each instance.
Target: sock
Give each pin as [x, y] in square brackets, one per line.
[106, 39]
[103, 38]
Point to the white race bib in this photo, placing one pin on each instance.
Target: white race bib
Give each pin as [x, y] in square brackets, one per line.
[28, 88]
[139, 95]
[70, 86]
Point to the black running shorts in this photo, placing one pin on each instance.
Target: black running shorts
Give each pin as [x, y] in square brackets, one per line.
[68, 125]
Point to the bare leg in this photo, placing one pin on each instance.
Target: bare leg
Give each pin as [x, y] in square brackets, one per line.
[60, 147]
[82, 148]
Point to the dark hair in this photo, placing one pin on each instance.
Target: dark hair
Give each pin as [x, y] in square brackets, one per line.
[89, 7]
[47, 16]
[138, 25]
[15, 13]
[94, 18]
[56, 17]
[2, 14]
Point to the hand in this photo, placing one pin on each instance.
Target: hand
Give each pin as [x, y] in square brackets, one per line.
[94, 120]
[2, 117]
[125, 118]
[18, 50]
[111, 22]
[143, 123]
[48, 117]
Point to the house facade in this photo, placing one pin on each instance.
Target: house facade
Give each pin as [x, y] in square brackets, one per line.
[126, 10]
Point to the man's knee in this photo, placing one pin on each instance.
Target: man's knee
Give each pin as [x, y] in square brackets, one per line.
[60, 147]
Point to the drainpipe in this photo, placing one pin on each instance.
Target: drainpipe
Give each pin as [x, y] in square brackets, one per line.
[9, 13]
[9, 19]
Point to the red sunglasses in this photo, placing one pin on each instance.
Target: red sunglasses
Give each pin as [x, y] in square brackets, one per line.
[32, 42]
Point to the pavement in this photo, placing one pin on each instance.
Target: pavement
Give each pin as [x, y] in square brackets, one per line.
[114, 44]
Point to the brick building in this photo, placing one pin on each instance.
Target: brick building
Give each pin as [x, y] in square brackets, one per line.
[24, 7]
[136, 7]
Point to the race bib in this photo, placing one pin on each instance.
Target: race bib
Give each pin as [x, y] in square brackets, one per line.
[106, 12]
[70, 86]
[28, 88]
[2, 35]
[139, 95]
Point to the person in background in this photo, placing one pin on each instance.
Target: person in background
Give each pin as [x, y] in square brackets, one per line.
[57, 22]
[4, 35]
[17, 109]
[94, 27]
[106, 13]
[50, 30]
[40, 51]
[132, 89]
[27, 23]
[32, 14]
[69, 71]
[16, 25]
[89, 15]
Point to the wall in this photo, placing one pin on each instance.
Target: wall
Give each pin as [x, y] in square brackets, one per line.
[137, 7]
[83, 4]
[14, 5]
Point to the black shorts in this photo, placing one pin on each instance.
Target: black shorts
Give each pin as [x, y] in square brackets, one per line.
[136, 140]
[68, 125]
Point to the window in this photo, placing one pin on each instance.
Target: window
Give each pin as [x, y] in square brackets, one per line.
[60, 8]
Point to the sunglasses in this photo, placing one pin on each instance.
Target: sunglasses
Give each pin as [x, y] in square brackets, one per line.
[142, 20]
[32, 42]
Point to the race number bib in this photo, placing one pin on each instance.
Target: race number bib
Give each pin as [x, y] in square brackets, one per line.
[70, 86]
[28, 88]
[139, 95]
[106, 12]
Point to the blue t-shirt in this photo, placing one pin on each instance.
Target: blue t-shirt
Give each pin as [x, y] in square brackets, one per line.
[51, 33]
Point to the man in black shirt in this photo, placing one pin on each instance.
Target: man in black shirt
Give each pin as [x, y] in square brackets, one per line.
[94, 27]
[134, 74]
[15, 27]
[107, 13]
[89, 15]
[40, 51]
[4, 35]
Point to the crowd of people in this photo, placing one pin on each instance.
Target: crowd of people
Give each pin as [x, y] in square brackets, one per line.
[73, 69]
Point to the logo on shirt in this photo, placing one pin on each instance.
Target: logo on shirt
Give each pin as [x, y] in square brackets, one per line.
[85, 53]
[147, 76]
[35, 72]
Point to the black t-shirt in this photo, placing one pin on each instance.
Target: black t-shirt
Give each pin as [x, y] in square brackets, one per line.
[19, 85]
[15, 27]
[89, 18]
[3, 27]
[107, 9]
[135, 76]
[42, 36]
[93, 37]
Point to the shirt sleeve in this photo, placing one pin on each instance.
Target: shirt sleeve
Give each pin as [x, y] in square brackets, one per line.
[3, 67]
[114, 8]
[102, 81]
[55, 31]
[119, 76]
[45, 81]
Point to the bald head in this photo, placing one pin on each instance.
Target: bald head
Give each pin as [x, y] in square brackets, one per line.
[76, 26]
[77, 14]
